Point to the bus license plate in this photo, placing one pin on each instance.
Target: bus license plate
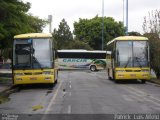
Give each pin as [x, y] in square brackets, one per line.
[133, 75]
[33, 78]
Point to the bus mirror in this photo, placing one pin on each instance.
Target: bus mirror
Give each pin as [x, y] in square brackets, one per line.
[29, 41]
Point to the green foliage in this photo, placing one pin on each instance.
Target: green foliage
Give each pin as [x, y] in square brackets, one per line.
[133, 33]
[151, 27]
[154, 41]
[90, 31]
[77, 44]
[15, 20]
[63, 36]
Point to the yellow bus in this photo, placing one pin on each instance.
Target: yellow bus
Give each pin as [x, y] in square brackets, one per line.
[129, 58]
[33, 59]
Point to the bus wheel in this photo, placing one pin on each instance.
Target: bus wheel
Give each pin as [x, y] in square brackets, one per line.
[109, 78]
[143, 81]
[56, 78]
[50, 85]
[93, 68]
[56, 81]
[108, 73]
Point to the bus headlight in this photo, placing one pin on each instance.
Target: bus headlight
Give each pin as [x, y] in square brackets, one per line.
[18, 74]
[145, 70]
[145, 75]
[48, 78]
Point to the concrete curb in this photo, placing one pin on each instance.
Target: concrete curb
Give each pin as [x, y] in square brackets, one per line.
[154, 81]
[8, 90]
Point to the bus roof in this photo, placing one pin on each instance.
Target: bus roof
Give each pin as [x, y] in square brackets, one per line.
[33, 35]
[83, 51]
[127, 38]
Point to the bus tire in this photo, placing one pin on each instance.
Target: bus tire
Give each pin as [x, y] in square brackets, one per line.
[113, 74]
[56, 80]
[116, 81]
[109, 77]
[143, 81]
[93, 68]
[51, 85]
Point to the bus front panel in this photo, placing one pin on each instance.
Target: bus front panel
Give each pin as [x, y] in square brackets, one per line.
[33, 61]
[132, 73]
[34, 76]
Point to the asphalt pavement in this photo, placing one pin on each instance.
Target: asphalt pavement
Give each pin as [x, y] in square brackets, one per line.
[85, 92]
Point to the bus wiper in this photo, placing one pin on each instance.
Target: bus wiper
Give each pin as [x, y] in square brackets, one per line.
[35, 59]
[26, 66]
[136, 58]
[128, 62]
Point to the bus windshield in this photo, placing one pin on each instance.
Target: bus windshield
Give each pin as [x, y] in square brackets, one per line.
[132, 53]
[32, 54]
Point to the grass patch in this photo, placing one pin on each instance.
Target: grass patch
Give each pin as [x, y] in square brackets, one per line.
[157, 81]
[5, 80]
[3, 99]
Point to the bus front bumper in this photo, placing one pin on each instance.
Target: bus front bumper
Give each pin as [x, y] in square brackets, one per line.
[33, 79]
[132, 75]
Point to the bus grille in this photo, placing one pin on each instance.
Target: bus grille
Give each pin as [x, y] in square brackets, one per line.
[35, 73]
[132, 70]
[28, 73]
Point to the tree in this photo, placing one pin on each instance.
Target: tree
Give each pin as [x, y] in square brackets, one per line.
[151, 27]
[90, 31]
[63, 36]
[133, 33]
[15, 20]
[77, 44]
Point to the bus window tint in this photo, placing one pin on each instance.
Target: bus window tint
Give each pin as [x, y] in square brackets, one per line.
[124, 53]
[81, 55]
[42, 55]
[140, 53]
[22, 54]
[132, 53]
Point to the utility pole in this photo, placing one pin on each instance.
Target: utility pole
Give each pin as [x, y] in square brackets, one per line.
[102, 22]
[126, 17]
[50, 23]
[123, 14]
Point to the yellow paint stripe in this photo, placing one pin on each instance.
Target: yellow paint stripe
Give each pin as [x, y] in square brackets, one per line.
[53, 99]
[51, 102]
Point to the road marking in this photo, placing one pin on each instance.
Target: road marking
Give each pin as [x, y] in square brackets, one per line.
[70, 86]
[51, 102]
[69, 109]
[137, 90]
[154, 98]
[142, 94]
[64, 93]
[127, 98]
[53, 98]
[158, 104]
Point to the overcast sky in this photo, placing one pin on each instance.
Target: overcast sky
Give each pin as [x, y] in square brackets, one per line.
[72, 10]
